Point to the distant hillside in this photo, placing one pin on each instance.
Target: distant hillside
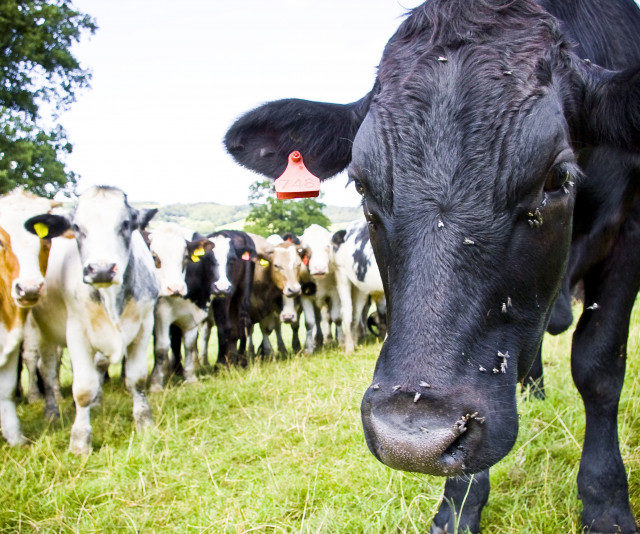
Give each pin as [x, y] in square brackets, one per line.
[205, 217]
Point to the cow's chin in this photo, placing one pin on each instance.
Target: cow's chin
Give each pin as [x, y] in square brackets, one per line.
[103, 285]
[26, 302]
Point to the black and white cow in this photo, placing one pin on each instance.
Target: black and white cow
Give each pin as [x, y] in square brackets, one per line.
[357, 279]
[186, 272]
[496, 152]
[234, 253]
[101, 291]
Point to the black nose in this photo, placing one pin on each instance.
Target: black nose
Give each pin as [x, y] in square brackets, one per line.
[413, 429]
[99, 273]
[221, 292]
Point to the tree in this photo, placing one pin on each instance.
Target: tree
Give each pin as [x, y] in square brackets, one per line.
[269, 215]
[37, 72]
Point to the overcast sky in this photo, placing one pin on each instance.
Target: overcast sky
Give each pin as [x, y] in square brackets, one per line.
[170, 77]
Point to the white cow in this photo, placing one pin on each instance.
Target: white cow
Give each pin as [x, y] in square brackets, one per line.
[169, 243]
[101, 291]
[320, 292]
[23, 262]
[357, 278]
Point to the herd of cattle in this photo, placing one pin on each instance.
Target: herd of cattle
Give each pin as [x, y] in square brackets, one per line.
[106, 285]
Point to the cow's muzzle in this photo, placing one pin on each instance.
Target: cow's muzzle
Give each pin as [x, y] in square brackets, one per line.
[27, 293]
[411, 429]
[100, 274]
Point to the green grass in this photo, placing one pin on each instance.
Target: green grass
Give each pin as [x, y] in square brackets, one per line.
[278, 447]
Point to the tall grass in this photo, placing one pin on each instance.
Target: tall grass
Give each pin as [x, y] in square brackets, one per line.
[278, 447]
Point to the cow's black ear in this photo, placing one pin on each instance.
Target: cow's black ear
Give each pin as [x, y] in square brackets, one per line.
[144, 216]
[338, 237]
[323, 133]
[47, 225]
[610, 109]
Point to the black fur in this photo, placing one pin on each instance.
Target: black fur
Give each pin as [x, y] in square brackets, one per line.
[480, 111]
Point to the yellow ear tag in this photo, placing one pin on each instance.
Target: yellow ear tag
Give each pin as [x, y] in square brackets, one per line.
[197, 254]
[41, 230]
[263, 262]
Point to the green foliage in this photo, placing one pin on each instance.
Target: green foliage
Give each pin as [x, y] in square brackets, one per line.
[37, 72]
[269, 215]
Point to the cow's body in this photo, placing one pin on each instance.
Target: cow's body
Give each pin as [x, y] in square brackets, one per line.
[99, 304]
[319, 289]
[276, 277]
[485, 128]
[357, 279]
[233, 252]
[185, 273]
[23, 264]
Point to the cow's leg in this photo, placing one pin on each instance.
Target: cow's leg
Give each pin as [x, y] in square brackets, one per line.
[86, 387]
[359, 302]
[266, 330]
[462, 503]
[535, 379]
[346, 310]
[49, 363]
[282, 348]
[336, 317]
[137, 374]
[223, 323]
[8, 416]
[161, 345]
[295, 336]
[190, 355]
[205, 334]
[30, 357]
[598, 360]
[310, 323]
[325, 323]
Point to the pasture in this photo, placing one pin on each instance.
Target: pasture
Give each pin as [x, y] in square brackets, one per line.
[278, 447]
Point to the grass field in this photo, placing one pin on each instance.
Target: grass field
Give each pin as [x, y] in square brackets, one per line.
[278, 447]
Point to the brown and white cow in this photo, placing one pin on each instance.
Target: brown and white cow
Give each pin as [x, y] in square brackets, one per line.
[23, 263]
[276, 277]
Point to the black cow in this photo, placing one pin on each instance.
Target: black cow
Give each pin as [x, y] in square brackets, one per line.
[234, 253]
[484, 128]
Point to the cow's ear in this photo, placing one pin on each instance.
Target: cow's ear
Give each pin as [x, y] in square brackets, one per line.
[610, 109]
[143, 217]
[47, 225]
[323, 133]
[304, 253]
[338, 237]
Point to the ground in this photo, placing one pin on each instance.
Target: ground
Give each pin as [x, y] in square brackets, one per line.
[278, 447]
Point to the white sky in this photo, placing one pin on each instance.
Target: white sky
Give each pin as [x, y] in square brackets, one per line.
[170, 77]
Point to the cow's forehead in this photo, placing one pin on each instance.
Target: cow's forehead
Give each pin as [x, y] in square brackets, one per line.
[285, 252]
[168, 239]
[221, 247]
[101, 206]
[316, 237]
[18, 206]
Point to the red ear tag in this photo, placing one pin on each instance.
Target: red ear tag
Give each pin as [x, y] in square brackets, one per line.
[288, 240]
[305, 260]
[246, 256]
[296, 181]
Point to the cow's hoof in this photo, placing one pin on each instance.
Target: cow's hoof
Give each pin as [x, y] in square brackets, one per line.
[143, 418]
[33, 397]
[80, 443]
[15, 440]
[611, 523]
[51, 413]
[445, 521]
[155, 388]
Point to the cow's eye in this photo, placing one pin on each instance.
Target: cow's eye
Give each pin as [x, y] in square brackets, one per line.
[126, 225]
[557, 176]
[359, 187]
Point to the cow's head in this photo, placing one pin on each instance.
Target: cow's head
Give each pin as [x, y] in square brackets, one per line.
[30, 247]
[232, 251]
[103, 224]
[168, 244]
[463, 153]
[286, 267]
[318, 241]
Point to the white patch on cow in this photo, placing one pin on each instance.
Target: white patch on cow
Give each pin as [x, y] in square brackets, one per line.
[274, 239]
[221, 246]
[168, 242]
[15, 208]
[318, 240]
